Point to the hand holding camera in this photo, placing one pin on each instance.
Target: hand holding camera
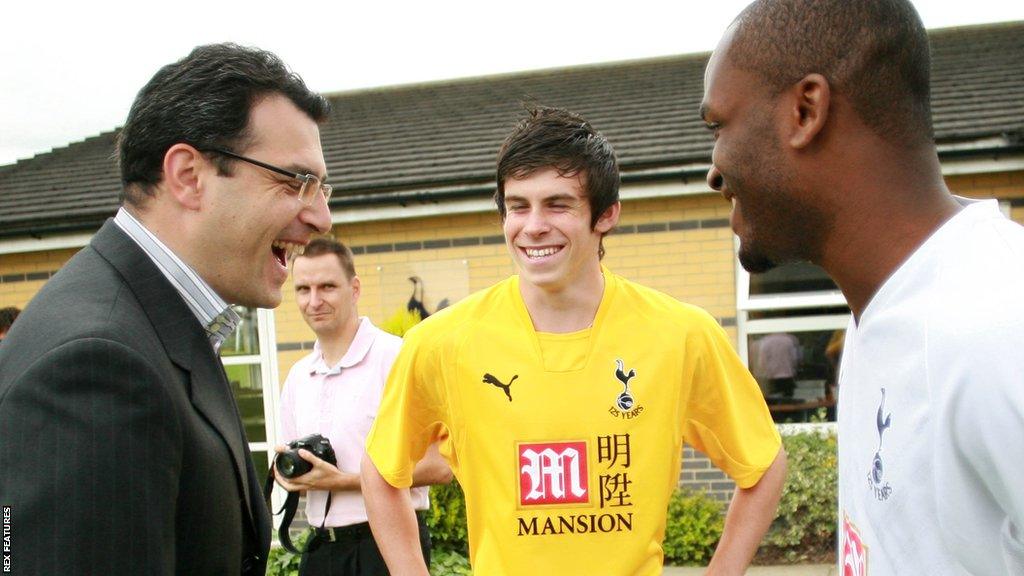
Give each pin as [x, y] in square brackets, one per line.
[292, 469]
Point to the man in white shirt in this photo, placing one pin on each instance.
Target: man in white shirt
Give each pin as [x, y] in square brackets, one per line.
[821, 115]
[335, 391]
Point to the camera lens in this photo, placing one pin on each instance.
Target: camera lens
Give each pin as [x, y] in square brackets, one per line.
[290, 464]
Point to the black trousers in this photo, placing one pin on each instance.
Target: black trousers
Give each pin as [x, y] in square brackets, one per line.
[353, 552]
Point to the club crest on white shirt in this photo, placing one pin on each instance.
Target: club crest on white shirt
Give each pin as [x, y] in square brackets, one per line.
[876, 477]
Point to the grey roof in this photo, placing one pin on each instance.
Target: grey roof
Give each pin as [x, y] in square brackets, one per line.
[438, 140]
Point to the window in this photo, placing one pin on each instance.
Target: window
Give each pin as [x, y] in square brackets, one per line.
[250, 361]
[790, 322]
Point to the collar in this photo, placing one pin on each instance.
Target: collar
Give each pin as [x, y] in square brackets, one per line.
[213, 313]
[355, 354]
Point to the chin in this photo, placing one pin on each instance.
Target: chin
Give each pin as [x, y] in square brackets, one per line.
[755, 262]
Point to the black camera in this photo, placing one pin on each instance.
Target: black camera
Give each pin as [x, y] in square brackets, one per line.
[291, 465]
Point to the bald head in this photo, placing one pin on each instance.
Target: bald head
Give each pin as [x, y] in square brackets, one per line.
[874, 53]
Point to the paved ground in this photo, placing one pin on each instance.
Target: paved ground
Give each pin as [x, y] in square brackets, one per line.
[801, 570]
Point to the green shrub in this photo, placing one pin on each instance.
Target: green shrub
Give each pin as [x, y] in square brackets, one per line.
[695, 523]
[449, 563]
[282, 562]
[447, 519]
[805, 528]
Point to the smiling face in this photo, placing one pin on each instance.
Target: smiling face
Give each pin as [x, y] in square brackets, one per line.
[253, 219]
[770, 214]
[325, 294]
[547, 230]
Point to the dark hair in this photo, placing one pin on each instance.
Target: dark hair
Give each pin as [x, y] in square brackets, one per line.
[203, 100]
[555, 138]
[7, 317]
[873, 52]
[321, 246]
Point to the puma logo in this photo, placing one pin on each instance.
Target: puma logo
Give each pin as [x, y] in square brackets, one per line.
[507, 388]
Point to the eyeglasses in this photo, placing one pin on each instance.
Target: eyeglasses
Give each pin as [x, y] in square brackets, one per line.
[310, 183]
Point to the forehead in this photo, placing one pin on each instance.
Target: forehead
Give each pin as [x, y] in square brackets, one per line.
[545, 183]
[725, 84]
[317, 269]
[281, 134]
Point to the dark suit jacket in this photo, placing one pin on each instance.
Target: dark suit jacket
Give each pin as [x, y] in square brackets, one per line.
[121, 448]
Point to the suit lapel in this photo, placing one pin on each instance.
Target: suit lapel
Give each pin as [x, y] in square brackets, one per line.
[186, 344]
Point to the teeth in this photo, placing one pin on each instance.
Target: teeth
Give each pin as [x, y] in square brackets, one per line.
[540, 252]
[291, 249]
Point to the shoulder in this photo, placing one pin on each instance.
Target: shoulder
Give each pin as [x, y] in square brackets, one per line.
[980, 279]
[301, 367]
[656, 306]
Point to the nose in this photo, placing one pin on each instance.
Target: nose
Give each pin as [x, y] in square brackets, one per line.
[536, 223]
[314, 298]
[317, 215]
[714, 178]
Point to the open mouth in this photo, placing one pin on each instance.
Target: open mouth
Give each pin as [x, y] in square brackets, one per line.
[285, 251]
[536, 253]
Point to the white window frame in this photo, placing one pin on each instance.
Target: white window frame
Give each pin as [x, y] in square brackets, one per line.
[745, 327]
[267, 361]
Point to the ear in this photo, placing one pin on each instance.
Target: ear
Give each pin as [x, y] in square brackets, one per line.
[608, 219]
[357, 287]
[183, 167]
[812, 98]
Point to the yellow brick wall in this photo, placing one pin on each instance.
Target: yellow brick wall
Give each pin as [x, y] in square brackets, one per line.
[18, 293]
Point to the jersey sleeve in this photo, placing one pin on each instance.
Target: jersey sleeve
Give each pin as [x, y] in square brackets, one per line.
[724, 414]
[981, 420]
[411, 413]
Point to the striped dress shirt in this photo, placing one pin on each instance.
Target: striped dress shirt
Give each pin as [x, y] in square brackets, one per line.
[213, 313]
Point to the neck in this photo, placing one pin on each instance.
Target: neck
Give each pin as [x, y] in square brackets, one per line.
[335, 345]
[566, 309]
[892, 212]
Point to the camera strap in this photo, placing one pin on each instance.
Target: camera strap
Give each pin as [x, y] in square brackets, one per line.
[289, 508]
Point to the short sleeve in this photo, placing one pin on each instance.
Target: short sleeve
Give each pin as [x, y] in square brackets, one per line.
[411, 413]
[724, 414]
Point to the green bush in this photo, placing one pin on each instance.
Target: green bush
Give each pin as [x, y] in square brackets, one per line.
[805, 528]
[695, 523]
[447, 519]
[449, 563]
[282, 562]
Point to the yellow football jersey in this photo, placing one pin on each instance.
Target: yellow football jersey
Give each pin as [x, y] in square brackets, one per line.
[568, 445]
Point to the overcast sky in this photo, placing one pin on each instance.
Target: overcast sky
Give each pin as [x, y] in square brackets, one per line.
[71, 69]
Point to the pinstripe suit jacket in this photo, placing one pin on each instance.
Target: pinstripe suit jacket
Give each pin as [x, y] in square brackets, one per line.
[121, 448]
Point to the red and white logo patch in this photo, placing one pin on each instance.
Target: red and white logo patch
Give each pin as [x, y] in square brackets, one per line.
[855, 553]
[553, 473]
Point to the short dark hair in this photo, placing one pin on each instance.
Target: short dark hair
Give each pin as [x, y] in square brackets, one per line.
[321, 246]
[203, 100]
[7, 317]
[873, 52]
[556, 138]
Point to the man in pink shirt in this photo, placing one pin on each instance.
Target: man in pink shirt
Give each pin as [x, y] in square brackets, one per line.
[335, 392]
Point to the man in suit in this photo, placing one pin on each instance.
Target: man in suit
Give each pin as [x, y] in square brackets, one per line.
[120, 443]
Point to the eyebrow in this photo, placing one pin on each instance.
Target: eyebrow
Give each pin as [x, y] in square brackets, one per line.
[554, 198]
[300, 169]
[704, 111]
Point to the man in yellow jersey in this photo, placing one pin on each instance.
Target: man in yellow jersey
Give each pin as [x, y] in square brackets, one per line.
[563, 396]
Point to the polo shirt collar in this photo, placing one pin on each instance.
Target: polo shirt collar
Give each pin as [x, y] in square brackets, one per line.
[357, 350]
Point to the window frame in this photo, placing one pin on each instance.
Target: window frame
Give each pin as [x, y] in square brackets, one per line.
[745, 327]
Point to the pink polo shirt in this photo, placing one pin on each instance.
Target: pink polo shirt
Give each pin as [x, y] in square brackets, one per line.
[340, 403]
